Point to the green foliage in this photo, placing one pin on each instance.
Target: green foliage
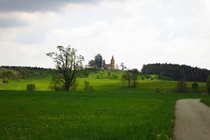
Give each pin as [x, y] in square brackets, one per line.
[208, 84]
[97, 63]
[83, 73]
[107, 74]
[181, 86]
[5, 81]
[56, 82]
[195, 86]
[9, 74]
[30, 87]
[206, 101]
[113, 76]
[17, 72]
[87, 86]
[68, 63]
[131, 78]
[176, 72]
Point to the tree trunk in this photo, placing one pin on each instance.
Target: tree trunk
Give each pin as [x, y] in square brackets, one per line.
[67, 86]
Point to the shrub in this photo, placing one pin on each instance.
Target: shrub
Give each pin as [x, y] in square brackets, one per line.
[30, 87]
[5, 81]
[88, 87]
[181, 86]
[113, 76]
[195, 86]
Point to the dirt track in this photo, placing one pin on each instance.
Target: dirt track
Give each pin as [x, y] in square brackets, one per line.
[192, 120]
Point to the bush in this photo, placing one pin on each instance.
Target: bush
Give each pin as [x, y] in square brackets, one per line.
[195, 86]
[30, 87]
[5, 81]
[113, 76]
[181, 86]
[88, 87]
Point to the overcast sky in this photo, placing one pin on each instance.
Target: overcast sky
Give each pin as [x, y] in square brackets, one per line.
[136, 32]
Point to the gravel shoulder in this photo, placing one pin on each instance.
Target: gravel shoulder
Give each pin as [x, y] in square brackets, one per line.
[192, 120]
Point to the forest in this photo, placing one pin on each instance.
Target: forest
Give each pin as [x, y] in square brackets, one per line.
[176, 72]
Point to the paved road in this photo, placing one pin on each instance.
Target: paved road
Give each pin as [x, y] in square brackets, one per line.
[192, 120]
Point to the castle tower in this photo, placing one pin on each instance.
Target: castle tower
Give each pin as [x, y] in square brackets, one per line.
[112, 63]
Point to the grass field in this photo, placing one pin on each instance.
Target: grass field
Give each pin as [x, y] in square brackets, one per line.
[81, 115]
[98, 84]
[111, 112]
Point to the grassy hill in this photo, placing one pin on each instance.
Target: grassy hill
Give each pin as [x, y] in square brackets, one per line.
[99, 79]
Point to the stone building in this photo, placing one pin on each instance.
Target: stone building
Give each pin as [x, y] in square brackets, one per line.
[111, 65]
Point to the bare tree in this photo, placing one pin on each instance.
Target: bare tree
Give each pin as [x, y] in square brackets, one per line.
[67, 64]
[122, 65]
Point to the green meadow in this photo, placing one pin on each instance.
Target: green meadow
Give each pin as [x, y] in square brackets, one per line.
[110, 112]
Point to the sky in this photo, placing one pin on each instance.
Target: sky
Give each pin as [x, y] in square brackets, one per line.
[135, 32]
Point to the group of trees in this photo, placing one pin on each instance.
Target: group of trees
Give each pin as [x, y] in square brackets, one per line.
[7, 74]
[17, 72]
[176, 72]
[97, 62]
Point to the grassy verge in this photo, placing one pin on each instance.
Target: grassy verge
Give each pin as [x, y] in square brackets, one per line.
[206, 101]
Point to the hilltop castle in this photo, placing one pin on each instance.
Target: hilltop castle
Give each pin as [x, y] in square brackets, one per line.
[111, 65]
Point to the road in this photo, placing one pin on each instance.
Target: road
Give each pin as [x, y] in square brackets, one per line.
[192, 120]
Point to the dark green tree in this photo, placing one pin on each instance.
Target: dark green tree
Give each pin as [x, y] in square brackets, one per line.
[92, 64]
[176, 72]
[195, 86]
[208, 85]
[130, 76]
[97, 63]
[68, 63]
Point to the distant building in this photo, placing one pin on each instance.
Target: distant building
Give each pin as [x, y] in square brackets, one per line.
[111, 65]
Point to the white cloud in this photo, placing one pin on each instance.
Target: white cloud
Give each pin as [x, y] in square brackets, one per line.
[135, 32]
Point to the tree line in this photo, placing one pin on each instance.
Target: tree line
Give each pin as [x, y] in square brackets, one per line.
[18, 72]
[176, 72]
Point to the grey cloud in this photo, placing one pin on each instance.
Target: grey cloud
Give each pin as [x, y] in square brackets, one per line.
[36, 5]
[7, 22]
